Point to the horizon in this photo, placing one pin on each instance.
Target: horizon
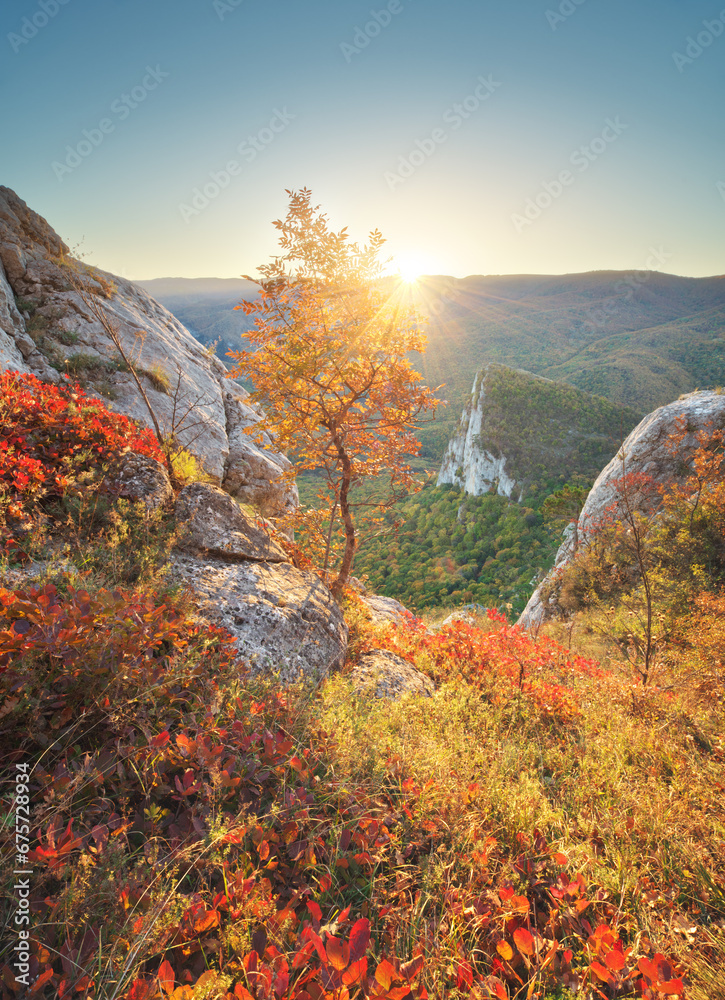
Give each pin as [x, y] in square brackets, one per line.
[559, 137]
[465, 277]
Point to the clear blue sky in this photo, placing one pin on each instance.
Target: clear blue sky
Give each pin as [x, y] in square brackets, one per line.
[283, 75]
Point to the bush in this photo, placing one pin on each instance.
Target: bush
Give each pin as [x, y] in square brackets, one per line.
[53, 438]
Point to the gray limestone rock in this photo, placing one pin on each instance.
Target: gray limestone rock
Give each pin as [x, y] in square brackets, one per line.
[384, 609]
[139, 477]
[285, 621]
[177, 372]
[647, 450]
[387, 675]
[213, 523]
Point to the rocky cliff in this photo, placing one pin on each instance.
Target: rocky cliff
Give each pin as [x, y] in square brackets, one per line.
[647, 450]
[467, 462]
[521, 432]
[47, 328]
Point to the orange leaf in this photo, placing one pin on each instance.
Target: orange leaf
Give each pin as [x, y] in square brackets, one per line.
[338, 953]
[505, 950]
[385, 974]
[524, 941]
[206, 921]
[604, 974]
[674, 987]
[166, 977]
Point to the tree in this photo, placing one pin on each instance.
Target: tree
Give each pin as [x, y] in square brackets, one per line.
[330, 366]
[564, 507]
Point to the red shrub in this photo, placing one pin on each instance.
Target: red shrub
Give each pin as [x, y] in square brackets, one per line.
[50, 434]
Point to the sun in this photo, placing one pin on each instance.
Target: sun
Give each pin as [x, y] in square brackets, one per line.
[410, 269]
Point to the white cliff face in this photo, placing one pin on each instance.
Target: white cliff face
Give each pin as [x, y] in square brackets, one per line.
[30, 269]
[466, 463]
[648, 451]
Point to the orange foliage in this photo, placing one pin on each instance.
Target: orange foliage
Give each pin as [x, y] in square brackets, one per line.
[331, 364]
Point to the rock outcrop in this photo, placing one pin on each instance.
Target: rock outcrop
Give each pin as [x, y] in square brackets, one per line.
[139, 477]
[47, 327]
[387, 675]
[520, 430]
[467, 462]
[285, 621]
[648, 450]
[386, 609]
[213, 524]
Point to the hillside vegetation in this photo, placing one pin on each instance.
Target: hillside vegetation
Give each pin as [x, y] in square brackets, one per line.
[543, 826]
[548, 431]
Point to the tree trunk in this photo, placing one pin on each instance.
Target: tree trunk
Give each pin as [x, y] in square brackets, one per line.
[343, 575]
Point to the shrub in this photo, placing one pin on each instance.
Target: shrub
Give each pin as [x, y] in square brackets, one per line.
[55, 437]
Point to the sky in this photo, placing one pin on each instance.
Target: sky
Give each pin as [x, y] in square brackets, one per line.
[158, 137]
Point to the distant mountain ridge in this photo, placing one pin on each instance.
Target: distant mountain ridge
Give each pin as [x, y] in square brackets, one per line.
[639, 338]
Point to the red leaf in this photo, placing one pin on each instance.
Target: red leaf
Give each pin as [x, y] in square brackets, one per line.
[359, 939]
[615, 960]
[356, 972]
[464, 975]
[338, 953]
[411, 969]
[315, 910]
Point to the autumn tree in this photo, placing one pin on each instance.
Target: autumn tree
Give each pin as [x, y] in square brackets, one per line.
[330, 364]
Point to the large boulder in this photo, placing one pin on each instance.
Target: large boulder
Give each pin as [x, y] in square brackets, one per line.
[647, 451]
[212, 522]
[387, 675]
[285, 620]
[47, 326]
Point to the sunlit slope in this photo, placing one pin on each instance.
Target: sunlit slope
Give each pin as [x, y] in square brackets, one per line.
[652, 366]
